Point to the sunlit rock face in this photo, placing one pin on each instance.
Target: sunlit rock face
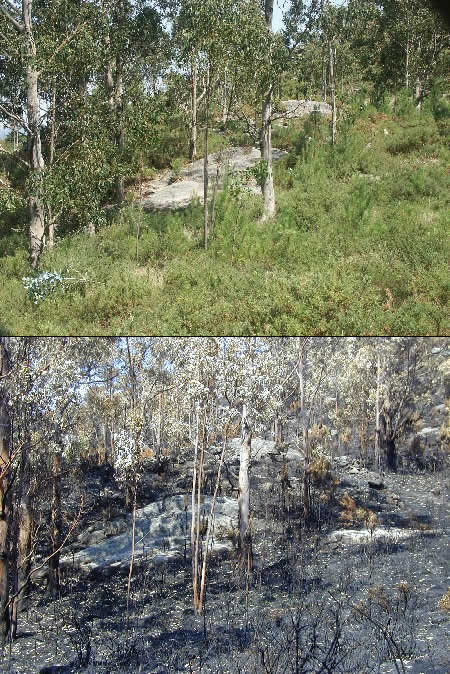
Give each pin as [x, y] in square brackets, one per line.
[166, 193]
[162, 531]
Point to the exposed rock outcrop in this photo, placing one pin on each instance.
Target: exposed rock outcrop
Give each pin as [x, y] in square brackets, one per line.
[162, 531]
[164, 194]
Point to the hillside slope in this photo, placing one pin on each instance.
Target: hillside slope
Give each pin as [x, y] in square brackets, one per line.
[359, 245]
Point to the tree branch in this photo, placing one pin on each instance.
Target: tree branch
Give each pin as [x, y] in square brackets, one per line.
[47, 559]
[14, 156]
[14, 117]
[63, 44]
[12, 6]
[18, 26]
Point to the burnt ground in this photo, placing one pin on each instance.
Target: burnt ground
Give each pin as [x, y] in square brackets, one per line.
[311, 605]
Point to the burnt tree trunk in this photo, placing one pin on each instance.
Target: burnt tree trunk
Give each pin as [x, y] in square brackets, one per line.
[5, 458]
[24, 540]
[245, 539]
[391, 454]
[53, 587]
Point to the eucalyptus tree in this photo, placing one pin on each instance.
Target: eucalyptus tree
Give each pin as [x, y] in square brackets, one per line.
[206, 33]
[266, 130]
[314, 361]
[249, 382]
[44, 392]
[41, 60]
[6, 459]
[412, 42]
[18, 19]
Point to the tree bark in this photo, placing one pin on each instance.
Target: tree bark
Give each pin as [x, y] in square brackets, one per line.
[51, 218]
[24, 540]
[120, 130]
[389, 438]
[377, 415]
[391, 454]
[323, 10]
[332, 51]
[56, 527]
[196, 478]
[266, 134]
[224, 101]
[245, 541]
[36, 161]
[193, 141]
[205, 173]
[114, 92]
[5, 439]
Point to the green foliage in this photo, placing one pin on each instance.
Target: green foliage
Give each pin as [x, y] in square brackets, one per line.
[358, 246]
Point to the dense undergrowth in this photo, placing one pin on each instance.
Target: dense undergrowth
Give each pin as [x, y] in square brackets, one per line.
[359, 245]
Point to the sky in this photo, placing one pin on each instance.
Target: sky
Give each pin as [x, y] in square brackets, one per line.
[277, 12]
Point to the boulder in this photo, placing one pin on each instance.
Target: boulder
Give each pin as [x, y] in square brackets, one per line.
[426, 432]
[376, 485]
[164, 194]
[363, 536]
[162, 529]
[302, 108]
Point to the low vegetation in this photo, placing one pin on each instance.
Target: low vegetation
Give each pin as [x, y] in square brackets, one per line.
[358, 246]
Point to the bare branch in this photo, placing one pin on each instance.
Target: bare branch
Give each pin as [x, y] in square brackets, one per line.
[18, 26]
[12, 7]
[47, 559]
[14, 117]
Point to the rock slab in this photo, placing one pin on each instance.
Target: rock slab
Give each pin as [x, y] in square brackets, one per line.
[162, 530]
[166, 194]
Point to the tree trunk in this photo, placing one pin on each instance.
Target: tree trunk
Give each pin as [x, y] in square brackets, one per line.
[324, 76]
[266, 135]
[5, 431]
[333, 93]
[51, 218]
[210, 529]
[377, 415]
[24, 540]
[56, 527]
[205, 170]
[120, 130]
[193, 141]
[224, 101]
[391, 454]
[407, 64]
[109, 76]
[418, 93]
[36, 161]
[245, 541]
[266, 155]
[323, 10]
[114, 91]
[196, 478]
[303, 424]
[389, 439]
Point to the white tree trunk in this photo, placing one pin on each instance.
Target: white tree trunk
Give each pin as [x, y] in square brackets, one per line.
[35, 197]
[244, 493]
[193, 142]
[377, 414]
[332, 53]
[266, 134]
[224, 102]
[266, 155]
[205, 170]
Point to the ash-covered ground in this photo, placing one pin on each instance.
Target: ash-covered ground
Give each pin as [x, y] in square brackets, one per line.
[315, 601]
